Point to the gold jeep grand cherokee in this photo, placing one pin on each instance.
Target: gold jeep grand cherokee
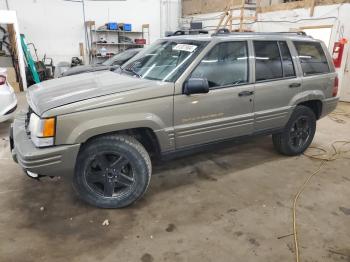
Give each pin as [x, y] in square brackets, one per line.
[181, 93]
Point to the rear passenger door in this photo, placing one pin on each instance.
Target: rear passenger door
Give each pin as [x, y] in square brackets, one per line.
[276, 83]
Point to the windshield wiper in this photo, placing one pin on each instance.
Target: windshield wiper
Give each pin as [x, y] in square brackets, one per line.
[130, 70]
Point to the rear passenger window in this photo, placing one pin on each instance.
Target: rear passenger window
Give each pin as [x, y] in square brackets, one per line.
[268, 63]
[288, 68]
[312, 58]
[225, 65]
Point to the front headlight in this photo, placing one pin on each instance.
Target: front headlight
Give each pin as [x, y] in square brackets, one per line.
[42, 131]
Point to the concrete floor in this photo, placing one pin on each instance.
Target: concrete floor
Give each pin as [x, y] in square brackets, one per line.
[232, 204]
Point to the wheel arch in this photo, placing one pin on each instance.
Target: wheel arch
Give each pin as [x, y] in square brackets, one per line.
[145, 135]
[315, 105]
[311, 99]
[80, 128]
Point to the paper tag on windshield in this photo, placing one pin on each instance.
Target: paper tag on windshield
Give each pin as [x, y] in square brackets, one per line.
[185, 47]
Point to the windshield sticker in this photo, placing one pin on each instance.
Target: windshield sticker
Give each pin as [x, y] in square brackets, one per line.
[185, 47]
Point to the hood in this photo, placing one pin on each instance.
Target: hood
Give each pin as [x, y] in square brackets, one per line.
[62, 91]
[84, 69]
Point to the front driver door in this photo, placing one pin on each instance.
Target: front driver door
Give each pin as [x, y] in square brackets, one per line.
[227, 110]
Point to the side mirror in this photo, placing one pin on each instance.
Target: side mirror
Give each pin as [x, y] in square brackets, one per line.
[196, 86]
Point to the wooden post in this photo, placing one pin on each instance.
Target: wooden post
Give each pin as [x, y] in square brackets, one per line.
[312, 8]
[241, 17]
[228, 20]
[221, 20]
[231, 14]
[228, 15]
[81, 52]
[257, 9]
[230, 26]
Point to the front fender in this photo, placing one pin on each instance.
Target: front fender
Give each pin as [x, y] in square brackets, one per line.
[108, 124]
[155, 114]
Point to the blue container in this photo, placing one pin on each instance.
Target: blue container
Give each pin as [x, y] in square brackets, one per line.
[127, 27]
[112, 26]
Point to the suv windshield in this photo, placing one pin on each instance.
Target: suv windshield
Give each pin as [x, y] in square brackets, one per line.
[165, 60]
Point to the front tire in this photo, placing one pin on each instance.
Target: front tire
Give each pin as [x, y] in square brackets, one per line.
[298, 133]
[112, 171]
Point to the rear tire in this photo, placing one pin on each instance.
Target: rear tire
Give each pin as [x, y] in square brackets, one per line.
[298, 133]
[112, 171]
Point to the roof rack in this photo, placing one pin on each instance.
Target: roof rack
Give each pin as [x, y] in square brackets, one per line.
[188, 32]
[225, 31]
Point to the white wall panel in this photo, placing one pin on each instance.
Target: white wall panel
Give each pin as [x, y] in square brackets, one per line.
[56, 26]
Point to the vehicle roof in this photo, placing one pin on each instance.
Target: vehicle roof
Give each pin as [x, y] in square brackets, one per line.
[246, 35]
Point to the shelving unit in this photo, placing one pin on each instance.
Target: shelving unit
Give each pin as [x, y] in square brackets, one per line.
[117, 31]
[112, 41]
[124, 44]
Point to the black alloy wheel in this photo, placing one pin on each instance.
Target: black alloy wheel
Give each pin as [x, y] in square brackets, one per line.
[110, 174]
[112, 171]
[299, 133]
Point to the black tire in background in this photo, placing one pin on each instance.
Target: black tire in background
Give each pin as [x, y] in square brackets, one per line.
[112, 171]
[298, 133]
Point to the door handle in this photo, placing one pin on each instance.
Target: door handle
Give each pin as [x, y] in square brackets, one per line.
[246, 93]
[294, 85]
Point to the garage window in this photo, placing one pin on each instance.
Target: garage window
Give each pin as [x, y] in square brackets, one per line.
[225, 65]
[312, 58]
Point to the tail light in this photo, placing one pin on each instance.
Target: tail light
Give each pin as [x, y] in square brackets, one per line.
[335, 87]
[2, 80]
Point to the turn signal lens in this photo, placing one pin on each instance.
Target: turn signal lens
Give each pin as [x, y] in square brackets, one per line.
[49, 127]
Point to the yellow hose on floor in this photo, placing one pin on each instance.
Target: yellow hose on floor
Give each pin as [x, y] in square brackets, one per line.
[325, 156]
[337, 114]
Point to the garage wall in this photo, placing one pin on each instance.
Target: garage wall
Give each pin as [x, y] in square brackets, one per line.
[336, 16]
[56, 26]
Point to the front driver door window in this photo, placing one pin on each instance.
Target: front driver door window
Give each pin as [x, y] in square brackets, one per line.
[223, 112]
[225, 65]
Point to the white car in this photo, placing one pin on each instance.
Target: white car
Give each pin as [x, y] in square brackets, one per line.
[8, 100]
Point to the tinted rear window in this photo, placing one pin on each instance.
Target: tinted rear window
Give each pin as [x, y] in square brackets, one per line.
[288, 67]
[312, 58]
[268, 63]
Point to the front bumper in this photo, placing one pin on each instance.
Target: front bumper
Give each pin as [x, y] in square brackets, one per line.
[51, 161]
[329, 105]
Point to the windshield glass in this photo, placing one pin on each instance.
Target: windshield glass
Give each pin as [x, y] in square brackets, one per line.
[120, 58]
[165, 60]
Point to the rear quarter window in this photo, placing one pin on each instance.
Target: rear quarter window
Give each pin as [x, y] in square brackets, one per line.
[312, 58]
